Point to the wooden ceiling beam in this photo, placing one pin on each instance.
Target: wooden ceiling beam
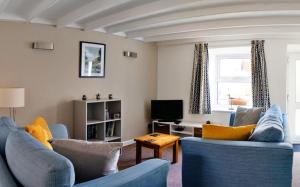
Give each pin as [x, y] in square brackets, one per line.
[267, 30]
[42, 6]
[202, 14]
[145, 10]
[213, 25]
[89, 9]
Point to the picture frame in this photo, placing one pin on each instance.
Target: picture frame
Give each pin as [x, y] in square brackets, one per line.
[92, 60]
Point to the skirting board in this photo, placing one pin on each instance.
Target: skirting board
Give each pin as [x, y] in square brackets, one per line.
[128, 142]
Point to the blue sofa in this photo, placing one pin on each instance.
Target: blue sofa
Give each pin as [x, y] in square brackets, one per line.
[216, 163]
[25, 162]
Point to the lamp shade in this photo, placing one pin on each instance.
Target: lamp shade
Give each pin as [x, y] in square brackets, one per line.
[12, 97]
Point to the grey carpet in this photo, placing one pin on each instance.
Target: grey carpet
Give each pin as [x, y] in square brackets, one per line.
[127, 159]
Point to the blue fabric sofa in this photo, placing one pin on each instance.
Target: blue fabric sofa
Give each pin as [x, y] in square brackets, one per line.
[216, 163]
[25, 162]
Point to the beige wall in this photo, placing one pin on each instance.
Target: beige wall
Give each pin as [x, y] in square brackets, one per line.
[175, 64]
[175, 67]
[51, 77]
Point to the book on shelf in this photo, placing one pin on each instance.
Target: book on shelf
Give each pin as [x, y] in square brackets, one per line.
[92, 132]
[110, 129]
[107, 115]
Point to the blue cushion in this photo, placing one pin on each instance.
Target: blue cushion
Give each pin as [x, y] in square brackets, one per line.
[59, 131]
[7, 179]
[270, 126]
[6, 126]
[34, 165]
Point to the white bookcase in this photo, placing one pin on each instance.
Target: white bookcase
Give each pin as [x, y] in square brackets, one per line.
[98, 120]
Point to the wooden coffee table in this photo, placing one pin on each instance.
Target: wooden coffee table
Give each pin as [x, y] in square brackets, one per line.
[157, 143]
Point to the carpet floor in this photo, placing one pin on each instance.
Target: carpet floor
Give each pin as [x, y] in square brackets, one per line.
[127, 160]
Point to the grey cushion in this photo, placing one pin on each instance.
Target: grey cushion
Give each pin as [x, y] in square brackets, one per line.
[36, 166]
[270, 126]
[246, 116]
[6, 126]
[91, 160]
[6, 179]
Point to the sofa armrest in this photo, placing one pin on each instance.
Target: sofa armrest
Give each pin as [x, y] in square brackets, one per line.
[236, 163]
[59, 131]
[147, 174]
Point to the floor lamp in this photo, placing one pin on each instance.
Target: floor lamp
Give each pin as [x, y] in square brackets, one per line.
[12, 98]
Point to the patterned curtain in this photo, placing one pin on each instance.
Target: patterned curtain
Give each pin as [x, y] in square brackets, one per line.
[260, 87]
[200, 95]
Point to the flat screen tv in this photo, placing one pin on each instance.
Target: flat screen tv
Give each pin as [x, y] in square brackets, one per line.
[167, 110]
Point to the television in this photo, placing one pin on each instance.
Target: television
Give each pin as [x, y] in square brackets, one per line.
[167, 110]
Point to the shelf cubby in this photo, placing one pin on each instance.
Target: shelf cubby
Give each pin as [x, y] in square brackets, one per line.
[91, 123]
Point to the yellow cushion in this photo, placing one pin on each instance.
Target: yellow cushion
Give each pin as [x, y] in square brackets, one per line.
[39, 130]
[221, 132]
[42, 122]
[40, 134]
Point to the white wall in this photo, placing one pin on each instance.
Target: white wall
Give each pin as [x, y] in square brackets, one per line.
[175, 72]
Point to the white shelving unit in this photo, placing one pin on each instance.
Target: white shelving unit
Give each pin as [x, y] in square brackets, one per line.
[92, 123]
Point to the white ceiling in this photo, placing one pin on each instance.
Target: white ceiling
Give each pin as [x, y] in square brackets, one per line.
[163, 20]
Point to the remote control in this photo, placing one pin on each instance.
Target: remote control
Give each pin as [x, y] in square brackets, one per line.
[154, 135]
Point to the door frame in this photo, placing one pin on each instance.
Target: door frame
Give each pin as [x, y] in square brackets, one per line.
[292, 105]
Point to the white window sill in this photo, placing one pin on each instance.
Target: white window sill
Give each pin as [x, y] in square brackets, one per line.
[223, 110]
[226, 108]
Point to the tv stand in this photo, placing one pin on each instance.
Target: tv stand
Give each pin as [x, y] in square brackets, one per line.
[188, 128]
[170, 121]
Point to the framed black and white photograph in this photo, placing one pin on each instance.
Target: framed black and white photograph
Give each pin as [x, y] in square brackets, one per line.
[92, 60]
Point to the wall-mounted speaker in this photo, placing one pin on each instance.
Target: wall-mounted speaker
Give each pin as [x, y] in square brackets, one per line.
[43, 45]
[130, 54]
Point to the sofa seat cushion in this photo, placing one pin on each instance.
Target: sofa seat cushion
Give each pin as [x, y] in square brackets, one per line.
[270, 126]
[36, 166]
[7, 180]
[222, 132]
[91, 160]
[6, 126]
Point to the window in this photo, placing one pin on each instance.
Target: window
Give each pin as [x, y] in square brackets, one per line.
[230, 77]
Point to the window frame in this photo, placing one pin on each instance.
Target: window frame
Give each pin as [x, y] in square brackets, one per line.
[218, 79]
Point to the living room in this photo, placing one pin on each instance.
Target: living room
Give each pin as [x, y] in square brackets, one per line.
[92, 70]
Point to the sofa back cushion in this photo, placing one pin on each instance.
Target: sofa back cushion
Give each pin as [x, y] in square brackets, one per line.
[34, 165]
[6, 177]
[270, 126]
[246, 116]
[6, 126]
